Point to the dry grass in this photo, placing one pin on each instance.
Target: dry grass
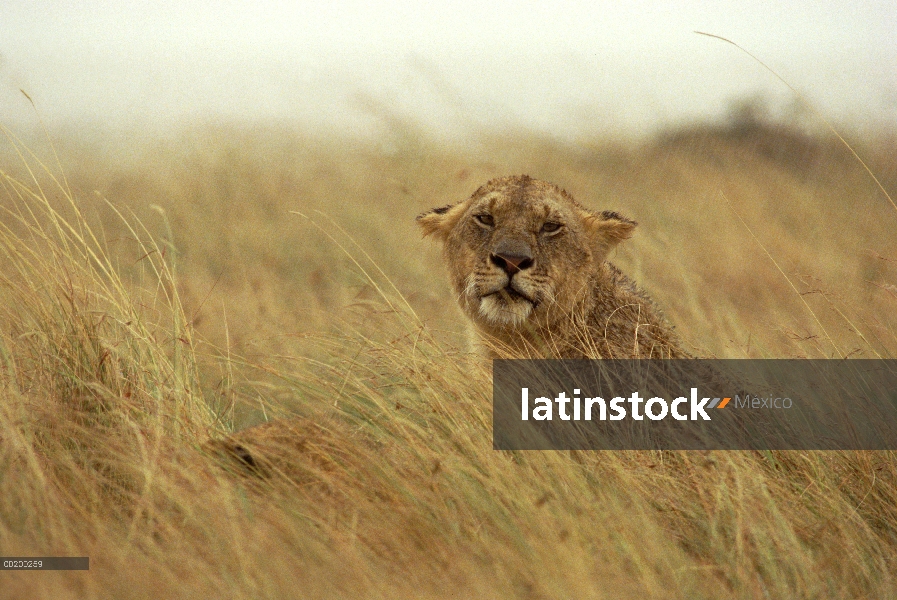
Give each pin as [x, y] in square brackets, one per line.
[130, 334]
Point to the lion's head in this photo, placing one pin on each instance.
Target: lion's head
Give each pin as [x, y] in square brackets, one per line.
[522, 251]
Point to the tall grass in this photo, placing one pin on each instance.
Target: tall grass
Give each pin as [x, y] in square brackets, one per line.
[336, 330]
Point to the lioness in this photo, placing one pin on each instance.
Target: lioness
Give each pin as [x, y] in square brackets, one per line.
[529, 265]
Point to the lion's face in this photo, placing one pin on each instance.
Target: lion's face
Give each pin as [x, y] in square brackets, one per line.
[520, 250]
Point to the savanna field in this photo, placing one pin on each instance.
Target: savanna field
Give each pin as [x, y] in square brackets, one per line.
[223, 277]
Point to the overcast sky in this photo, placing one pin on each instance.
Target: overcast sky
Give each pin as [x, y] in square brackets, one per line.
[568, 68]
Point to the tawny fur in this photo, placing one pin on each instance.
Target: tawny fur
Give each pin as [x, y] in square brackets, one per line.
[563, 299]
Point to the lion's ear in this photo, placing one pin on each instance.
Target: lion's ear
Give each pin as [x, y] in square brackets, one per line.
[439, 222]
[607, 229]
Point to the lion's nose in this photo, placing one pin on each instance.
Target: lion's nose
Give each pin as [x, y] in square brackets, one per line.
[511, 263]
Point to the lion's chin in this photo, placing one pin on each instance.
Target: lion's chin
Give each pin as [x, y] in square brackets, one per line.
[504, 308]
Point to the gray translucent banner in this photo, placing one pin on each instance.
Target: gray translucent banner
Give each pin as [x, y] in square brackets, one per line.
[695, 404]
[44, 563]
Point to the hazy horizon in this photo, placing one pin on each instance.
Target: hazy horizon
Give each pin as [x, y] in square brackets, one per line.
[566, 70]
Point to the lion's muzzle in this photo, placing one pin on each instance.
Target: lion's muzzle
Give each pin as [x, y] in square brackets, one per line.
[512, 256]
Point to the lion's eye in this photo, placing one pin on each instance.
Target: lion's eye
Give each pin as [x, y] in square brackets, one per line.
[551, 227]
[485, 220]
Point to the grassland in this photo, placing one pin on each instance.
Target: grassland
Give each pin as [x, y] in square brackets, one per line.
[224, 277]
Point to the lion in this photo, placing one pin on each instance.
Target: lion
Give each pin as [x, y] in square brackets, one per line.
[529, 266]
